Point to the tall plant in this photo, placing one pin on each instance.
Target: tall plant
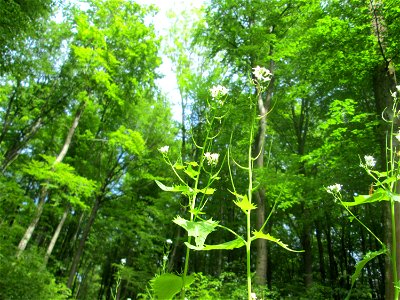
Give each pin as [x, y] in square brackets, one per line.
[206, 171]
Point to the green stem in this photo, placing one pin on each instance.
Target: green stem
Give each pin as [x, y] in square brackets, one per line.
[192, 205]
[394, 250]
[185, 270]
[394, 189]
[248, 252]
[248, 214]
[359, 221]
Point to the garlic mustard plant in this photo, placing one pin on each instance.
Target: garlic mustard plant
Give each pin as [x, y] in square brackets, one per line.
[370, 161]
[164, 149]
[218, 91]
[262, 74]
[335, 188]
[199, 192]
[212, 158]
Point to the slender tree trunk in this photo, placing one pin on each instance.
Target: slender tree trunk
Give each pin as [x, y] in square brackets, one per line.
[307, 247]
[43, 194]
[56, 234]
[29, 231]
[322, 270]
[82, 242]
[14, 150]
[332, 263]
[261, 244]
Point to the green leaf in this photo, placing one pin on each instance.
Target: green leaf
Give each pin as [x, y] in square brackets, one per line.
[261, 235]
[191, 172]
[177, 188]
[178, 166]
[207, 191]
[360, 265]
[378, 195]
[167, 285]
[199, 230]
[192, 163]
[245, 204]
[237, 243]
[196, 211]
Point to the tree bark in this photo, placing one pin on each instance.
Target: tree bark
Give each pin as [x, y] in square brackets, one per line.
[322, 270]
[56, 235]
[29, 231]
[261, 244]
[332, 263]
[307, 247]
[13, 151]
[384, 82]
[82, 242]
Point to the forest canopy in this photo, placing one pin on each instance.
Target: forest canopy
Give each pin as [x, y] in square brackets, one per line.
[277, 179]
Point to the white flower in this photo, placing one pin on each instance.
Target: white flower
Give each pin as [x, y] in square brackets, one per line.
[169, 241]
[335, 188]
[164, 149]
[212, 158]
[165, 258]
[370, 161]
[253, 296]
[262, 74]
[397, 136]
[218, 91]
[123, 261]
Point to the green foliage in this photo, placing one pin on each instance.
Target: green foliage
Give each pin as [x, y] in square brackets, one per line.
[26, 278]
[129, 140]
[261, 235]
[199, 230]
[167, 285]
[61, 177]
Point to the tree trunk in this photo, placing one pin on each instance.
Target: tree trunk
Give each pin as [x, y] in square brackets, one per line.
[332, 263]
[56, 235]
[261, 244]
[29, 231]
[322, 271]
[13, 151]
[307, 247]
[82, 242]
[384, 82]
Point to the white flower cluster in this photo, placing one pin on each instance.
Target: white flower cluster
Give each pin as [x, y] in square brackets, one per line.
[164, 149]
[262, 74]
[394, 94]
[218, 91]
[212, 158]
[169, 241]
[123, 261]
[370, 161]
[334, 188]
